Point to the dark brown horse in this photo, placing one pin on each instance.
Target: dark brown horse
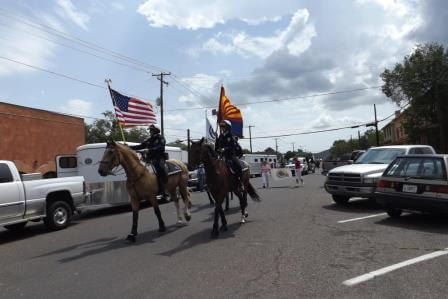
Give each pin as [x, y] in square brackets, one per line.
[142, 184]
[220, 182]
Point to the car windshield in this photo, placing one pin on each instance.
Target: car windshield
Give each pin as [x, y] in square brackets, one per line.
[380, 155]
[419, 168]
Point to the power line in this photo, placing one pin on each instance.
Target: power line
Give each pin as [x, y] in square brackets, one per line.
[62, 75]
[73, 39]
[76, 49]
[285, 99]
[322, 131]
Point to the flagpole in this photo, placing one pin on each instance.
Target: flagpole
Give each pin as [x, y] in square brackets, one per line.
[108, 81]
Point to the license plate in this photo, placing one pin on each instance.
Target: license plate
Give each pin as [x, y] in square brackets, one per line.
[410, 188]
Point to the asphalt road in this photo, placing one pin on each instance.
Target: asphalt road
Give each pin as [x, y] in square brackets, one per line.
[291, 246]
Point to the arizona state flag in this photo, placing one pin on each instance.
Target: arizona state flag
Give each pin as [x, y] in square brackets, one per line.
[229, 112]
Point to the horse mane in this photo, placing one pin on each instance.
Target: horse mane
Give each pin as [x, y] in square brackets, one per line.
[210, 149]
[127, 151]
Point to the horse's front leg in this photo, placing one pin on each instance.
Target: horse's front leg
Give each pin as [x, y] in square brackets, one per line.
[132, 237]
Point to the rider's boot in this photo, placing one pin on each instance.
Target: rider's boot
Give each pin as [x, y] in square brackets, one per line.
[163, 198]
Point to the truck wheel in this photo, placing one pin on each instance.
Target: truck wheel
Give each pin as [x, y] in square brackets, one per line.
[394, 213]
[340, 199]
[58, 215]
[16, 226]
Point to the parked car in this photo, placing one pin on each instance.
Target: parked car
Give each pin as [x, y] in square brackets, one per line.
[414, 183]
[359, 179]
[27, 197]
[343, 160]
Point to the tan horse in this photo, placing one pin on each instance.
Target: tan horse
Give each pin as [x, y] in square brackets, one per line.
[142, 184]
[220, 182]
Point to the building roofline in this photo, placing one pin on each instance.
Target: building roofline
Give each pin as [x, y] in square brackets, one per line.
[42, 110]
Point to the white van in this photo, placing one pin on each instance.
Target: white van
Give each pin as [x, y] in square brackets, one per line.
[104, 191]
[254, 161]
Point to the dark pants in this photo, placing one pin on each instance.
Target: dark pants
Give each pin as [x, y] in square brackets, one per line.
[162, 177]
[234, 164]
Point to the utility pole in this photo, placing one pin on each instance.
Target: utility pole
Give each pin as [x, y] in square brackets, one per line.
[359, 140]
[374, 124]
[376, 128]
[160, 78]
[293, 146]
[250, 138]
[276, 150]
[188, 146]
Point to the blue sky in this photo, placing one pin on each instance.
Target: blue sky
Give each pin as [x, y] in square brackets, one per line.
[259, 50]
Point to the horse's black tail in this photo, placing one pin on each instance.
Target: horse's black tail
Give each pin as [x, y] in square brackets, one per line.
[253, 193]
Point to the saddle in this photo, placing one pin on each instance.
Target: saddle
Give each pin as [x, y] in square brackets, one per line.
[229, 163]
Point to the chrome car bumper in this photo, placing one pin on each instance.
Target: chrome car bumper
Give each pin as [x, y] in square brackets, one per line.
[350, 190]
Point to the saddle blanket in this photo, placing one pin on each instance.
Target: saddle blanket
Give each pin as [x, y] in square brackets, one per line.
[172, 168]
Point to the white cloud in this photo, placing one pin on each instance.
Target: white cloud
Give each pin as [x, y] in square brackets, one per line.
[296, 38]
[20, 46]
[77, 107]
[175, 119]
[196, 14]
[69, 10]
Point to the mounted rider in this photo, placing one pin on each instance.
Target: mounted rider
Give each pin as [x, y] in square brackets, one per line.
[155, 145]
[227, 144]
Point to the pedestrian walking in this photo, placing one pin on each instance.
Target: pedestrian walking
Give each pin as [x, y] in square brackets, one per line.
[201, 177]
[265, 173]
[298, 168]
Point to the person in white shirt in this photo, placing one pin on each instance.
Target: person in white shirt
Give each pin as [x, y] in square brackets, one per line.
[265, 173]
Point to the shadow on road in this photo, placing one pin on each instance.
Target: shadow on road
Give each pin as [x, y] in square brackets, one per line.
[431, 223]
[356, 206]
[29, 231]
[108, 244]
[202, 237]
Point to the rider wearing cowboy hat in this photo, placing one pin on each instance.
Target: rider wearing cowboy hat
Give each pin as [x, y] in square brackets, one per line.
[156, 155]
[228, 145]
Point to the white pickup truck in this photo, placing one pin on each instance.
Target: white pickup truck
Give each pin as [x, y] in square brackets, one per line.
[359, 179]
[26, 198]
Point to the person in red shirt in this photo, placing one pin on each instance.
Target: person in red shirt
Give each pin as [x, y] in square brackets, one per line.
[298, 168]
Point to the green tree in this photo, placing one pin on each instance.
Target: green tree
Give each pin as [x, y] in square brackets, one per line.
[421, 81]
[107, 128]
[246, 151]
[178, 143]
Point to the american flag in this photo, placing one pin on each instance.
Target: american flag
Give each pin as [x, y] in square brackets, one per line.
[132, 112]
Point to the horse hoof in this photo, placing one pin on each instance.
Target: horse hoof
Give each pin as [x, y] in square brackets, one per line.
[246, 214]
[162, 229]
[131, 239]
[215, 234]
[223, 228]
[243, 220]
[179, 223]
[187, 217]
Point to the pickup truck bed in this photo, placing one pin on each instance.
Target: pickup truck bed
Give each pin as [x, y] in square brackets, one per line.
[53, 200]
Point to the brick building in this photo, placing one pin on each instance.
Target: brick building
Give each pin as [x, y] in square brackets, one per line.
[394, 132]
[32, 137]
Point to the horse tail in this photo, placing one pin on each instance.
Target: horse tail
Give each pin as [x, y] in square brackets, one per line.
[252, 192]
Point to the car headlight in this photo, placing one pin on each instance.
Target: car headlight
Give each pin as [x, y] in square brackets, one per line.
[370, 180]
